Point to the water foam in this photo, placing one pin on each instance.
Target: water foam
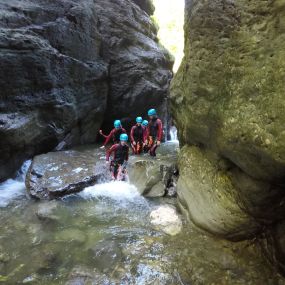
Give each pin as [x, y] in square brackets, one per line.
[116, 190]
[14, 188]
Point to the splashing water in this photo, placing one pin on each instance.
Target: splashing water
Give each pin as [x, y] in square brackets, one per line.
[119, 192]
[14, 188]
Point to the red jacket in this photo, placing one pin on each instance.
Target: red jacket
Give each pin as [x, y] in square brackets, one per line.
[114, 150]
[111, 135]
[155, 129]
[144, 133]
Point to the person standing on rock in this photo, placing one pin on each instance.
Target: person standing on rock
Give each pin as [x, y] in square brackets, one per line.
[138, 136]
[120, 159]
[114, 134]
[145, 124]
[154, 132]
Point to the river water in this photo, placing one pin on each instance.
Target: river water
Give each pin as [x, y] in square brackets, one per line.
[103, 235]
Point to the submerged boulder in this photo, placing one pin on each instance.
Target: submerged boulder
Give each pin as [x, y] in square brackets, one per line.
[57, 174]
[227, 101]
[65, 63]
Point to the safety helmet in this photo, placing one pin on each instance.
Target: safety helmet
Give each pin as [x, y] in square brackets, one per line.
[151, 112]
[145, 123]
[124, 137]
[139, 120]
[117, 124]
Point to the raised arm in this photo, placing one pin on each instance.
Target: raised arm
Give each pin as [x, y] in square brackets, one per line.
[108, 138]
[102, 134]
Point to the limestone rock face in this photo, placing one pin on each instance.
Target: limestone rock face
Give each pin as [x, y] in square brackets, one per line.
[65, 63]
[228, 101]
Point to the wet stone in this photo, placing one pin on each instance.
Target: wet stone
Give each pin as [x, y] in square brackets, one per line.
[62, 173]
[166, 219]
[152, 176]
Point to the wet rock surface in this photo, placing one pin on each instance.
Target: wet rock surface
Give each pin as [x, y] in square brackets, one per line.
[226, 101]
[64, 63]
[155, 177]
[58, 174]
[166, 219]
[151, 177]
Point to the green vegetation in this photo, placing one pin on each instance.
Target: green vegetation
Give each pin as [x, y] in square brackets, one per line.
[169, 16]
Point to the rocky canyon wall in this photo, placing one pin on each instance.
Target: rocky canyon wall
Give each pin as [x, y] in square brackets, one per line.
[68, 66]
[228, 102]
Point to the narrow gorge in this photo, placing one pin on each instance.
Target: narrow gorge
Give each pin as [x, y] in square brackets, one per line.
[209, 209]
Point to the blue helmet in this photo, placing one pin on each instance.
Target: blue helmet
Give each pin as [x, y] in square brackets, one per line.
[151, 112]
[124, 137]
[145, 123]
[139, 120]
[117, 124]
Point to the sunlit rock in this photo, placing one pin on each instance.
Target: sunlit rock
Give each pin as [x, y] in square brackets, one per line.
[166, 219]
[227, 100]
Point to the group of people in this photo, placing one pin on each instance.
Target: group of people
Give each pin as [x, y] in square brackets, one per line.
[145, 137]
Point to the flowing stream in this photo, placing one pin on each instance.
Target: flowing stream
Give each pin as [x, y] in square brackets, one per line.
[104, 235]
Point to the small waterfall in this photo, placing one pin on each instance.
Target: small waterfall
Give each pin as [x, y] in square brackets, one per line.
[173, 134]
[14, 188]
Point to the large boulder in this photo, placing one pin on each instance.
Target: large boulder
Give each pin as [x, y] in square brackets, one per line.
[228, 104]
[64, 63]
[155, 177]
[57, 174]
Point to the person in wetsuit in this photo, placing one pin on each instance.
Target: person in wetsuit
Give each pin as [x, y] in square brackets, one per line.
[145, 124]
[154, 132]
[114, 135]
[138, 136]
[120, 158]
